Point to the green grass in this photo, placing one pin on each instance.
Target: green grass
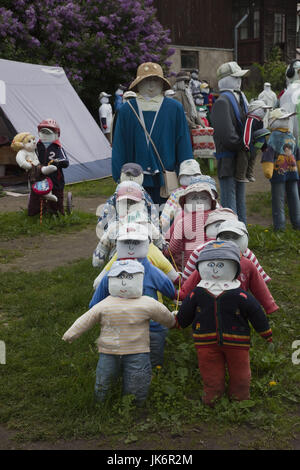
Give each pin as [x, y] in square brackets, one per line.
[103, 187]
[18, 224]
[47, 385]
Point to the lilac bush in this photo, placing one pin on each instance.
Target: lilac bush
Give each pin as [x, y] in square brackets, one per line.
[99, 43]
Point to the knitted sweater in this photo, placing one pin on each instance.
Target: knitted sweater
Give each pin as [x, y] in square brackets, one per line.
[191, 263]
[223, 319]
[124, 324]
[250, 280]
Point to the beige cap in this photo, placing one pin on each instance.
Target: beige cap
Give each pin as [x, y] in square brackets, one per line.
[235, 226]
[189, 167]
[146, 70]
[279, 113]
[231, 69]
[222, 213]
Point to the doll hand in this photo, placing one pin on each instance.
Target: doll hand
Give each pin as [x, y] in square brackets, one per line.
[47, 170]
[26, 166]
[67, 338]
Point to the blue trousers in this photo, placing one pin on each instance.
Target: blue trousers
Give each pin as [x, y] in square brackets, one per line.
[233, 196]
[279, 191]
[135, 370]
[157, 346]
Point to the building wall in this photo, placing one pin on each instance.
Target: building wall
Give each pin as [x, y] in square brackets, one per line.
[198, 23]
[208, 61]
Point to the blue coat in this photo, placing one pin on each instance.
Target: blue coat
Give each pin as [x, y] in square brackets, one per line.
[170, 134]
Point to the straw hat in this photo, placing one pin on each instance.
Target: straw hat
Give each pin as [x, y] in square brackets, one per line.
[146, 70]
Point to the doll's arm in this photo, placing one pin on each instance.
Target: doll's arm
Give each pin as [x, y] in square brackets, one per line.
[83, 324]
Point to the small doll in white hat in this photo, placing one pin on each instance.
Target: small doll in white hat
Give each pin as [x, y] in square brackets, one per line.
[133, 242]
[281, 165]
[211, 227]
[220, 313]
[105, 114]
[123, 343]
[197, 201]
[250, 278]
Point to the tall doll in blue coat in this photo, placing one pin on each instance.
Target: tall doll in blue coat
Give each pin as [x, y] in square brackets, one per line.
[165, 122]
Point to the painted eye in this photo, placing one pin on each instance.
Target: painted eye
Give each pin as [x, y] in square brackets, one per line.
[211, 265]
[220, 265]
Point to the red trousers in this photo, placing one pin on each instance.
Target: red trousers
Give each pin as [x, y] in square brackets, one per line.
[212, 361]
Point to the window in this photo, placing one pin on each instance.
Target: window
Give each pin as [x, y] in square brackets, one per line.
[256, 24]
[279, 28]
[189, 59]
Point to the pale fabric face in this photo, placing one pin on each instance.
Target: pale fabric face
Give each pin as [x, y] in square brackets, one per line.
[150, 87]
[30, 145]
[217, 270]
[46, 135]
[230, 83]
[197, 201]
[185, 180]
[212, 229]
[126, 285]
[104, 100]
[137, 179]
[260, 112]
[240, 240]
[132, 248]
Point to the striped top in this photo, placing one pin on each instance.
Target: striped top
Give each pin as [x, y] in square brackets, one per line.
[171, 209]
[190, 265]
[124, 324]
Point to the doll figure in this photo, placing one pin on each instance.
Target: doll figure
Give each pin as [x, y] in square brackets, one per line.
[270, 98]
[123, 343]
[250, 278]
[119, 97]
[196, 202]
[151, 113]
[50, 150]
[244, 170]
[211, 227]
[220, 313]
[281, 165]
[133, 243]
[25, 144]
[187, 170]
[105, 114]
[290, 99]
[184, 95]
[194, 82]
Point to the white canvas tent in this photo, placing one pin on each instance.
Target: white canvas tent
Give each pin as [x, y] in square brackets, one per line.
[37, 92]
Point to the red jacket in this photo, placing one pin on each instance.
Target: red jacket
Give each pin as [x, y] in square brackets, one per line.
[250, 280]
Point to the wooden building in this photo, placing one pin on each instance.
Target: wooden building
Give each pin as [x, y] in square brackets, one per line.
[203, 32]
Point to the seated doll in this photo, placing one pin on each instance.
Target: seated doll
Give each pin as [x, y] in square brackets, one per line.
[281, 165]
[133, 242]
[211, 226]
[236, 231]
[246, 160]
[196, 202]
[108, 211]
[187, 170]
[219, 312]
[123, 343]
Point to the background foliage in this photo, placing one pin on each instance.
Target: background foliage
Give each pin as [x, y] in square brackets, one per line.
[98, 43]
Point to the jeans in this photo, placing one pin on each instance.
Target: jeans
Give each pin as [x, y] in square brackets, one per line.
[134, 368]
[279, 190]
[233, 196]
[157, 346]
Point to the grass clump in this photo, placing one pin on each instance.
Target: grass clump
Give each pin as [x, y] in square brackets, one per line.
[103, 187]
[18, 224]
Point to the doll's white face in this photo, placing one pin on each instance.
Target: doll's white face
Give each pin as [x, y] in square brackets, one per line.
[47, 135]
[30, 145]
[212, 229]
[132, 248]
[150, 87]
[260, 112]
[240, 240]
[198, 200]
[126, 285]
[280, 123]
[218, 270]
[128, 177]
[104, 100]
[185, 180]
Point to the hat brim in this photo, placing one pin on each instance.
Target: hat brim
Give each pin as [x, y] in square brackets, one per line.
[241, 73]
[284, 116]
[139, 237]
[234, 230]
[129, 196]
[133, 85]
